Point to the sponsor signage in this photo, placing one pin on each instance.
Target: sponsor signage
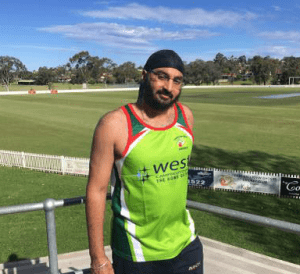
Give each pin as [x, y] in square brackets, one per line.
[201, 178]
[290, 186]
[246, 181]
[76, 166]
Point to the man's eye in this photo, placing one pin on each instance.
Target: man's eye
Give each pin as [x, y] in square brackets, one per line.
[162, 76]
[177, 81]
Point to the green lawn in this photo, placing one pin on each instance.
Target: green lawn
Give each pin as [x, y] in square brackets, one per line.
[66, 86]
[58, 86]
[25, 234]
[233, 130]
[236, 130]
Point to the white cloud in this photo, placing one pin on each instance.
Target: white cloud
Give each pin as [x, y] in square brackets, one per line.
[47, 48]
[276, 8]
[122, 36]
[190, 17]
[104, 3]
[292, 36]
[276, 51]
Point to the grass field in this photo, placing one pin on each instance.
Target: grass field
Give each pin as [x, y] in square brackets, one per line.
[61, 86]
[66, 86]
[233, 130]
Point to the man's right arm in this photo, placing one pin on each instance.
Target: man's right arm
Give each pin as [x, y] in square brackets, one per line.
[101, 163]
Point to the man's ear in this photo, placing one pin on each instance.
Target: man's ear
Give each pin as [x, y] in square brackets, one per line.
[144, 73]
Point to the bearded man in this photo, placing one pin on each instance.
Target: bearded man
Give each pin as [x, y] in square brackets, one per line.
[144, 149]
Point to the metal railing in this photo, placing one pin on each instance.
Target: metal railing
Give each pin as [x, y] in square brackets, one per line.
[246, 217]
[49, 206]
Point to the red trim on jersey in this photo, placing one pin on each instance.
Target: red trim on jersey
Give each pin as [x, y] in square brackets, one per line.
[188, 129]
[137, 136]
[129, 127]
[151, 127]
[130, 138]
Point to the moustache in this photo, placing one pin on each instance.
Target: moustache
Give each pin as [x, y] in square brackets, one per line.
[165, 92]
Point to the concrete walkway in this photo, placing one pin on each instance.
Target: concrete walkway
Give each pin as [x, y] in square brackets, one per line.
[25, 92]
[218, 258]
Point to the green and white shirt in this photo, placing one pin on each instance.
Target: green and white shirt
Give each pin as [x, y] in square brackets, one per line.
[149, 190]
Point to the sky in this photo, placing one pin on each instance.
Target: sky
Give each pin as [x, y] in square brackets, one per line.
[48, 33]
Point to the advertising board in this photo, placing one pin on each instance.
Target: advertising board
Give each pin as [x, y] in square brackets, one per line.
[201, 178]
[290, 186]
[247, 181]
[76, 166]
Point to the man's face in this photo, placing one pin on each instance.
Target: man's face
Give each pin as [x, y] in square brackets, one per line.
[162, 88]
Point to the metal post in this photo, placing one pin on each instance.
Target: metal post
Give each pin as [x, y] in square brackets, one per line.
[49, 206]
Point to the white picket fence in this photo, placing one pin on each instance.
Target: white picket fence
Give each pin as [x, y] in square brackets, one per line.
[229, 180]
[48, 163]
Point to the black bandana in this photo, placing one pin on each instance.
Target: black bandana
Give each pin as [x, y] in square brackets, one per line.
[164, 59]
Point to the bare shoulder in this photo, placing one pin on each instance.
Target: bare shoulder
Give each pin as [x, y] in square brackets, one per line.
[112, 121]
[189, 115]
[111, 133]
[187, 110]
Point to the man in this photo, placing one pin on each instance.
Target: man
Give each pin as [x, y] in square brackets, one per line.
[145, 148]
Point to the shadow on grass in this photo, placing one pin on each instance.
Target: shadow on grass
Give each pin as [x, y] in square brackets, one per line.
[271, 241]
[253, 203]
[264, 240]
[267, 241]
[210, 157]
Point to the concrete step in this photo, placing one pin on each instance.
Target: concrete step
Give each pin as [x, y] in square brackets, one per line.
[228, 259]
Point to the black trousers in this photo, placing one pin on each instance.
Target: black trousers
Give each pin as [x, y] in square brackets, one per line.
[189, 261]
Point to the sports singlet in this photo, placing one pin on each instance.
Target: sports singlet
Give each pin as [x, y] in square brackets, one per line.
[149, 190]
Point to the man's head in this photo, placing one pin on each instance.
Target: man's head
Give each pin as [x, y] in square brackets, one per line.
[164, 59]
[162, 80]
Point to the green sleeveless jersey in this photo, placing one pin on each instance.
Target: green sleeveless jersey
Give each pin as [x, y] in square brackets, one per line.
[149, 190]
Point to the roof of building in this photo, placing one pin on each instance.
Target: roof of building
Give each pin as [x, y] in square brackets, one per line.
[26, 81]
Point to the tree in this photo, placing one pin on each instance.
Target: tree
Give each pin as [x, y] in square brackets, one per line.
[127, 72]
[221, 60]
[232, 65]
[61, 73]
[213, 72]
[45, 76]
[100, 69]
[81, 63]
[262, 68]
[26, 75]
[290, 66]
[10, 69]
[194, 72]
[86, 68]
[243, 60]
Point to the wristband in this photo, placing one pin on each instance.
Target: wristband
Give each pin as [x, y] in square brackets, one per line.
[99, 266]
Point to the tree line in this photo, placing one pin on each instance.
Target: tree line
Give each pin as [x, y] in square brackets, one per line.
[260, 70]
[84, 68]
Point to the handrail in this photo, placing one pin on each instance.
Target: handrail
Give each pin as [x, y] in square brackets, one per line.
[49, 206]
[247, 217]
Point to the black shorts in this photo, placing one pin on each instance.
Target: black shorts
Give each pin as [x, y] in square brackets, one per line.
[189, 261]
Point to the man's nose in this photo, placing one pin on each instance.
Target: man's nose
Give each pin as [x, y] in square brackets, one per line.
[169, 85]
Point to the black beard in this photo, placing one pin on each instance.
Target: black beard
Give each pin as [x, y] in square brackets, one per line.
[151, 101]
